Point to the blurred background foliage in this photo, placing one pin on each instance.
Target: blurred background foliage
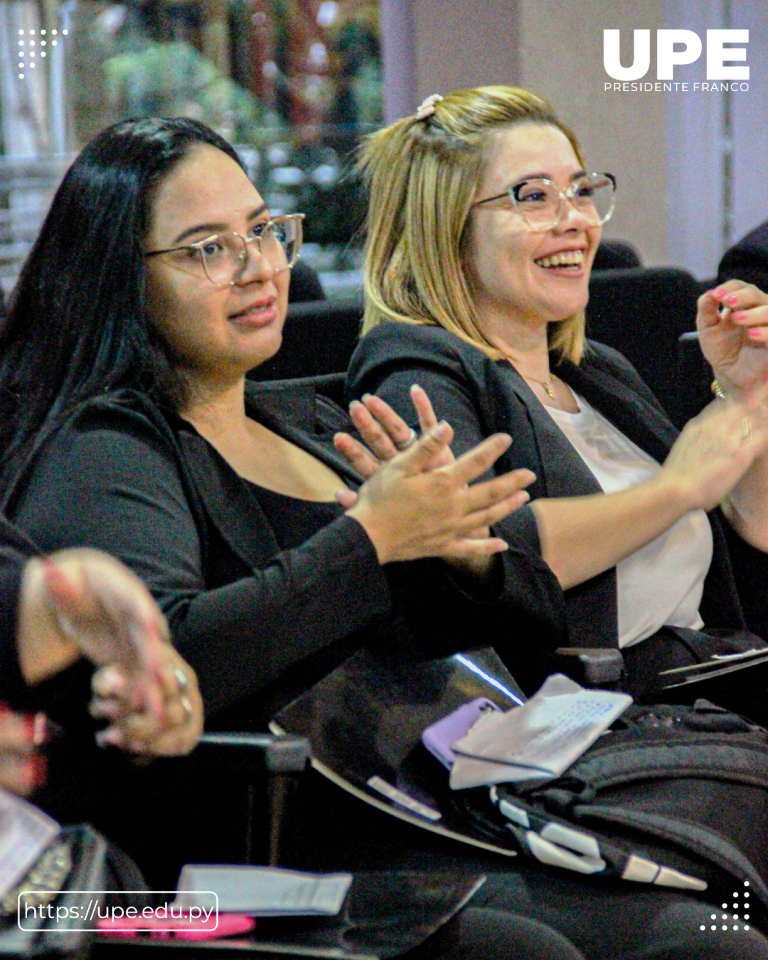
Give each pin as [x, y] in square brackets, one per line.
[293, 84]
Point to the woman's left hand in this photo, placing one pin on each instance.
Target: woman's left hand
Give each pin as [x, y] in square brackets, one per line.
[732, 321]
[171, 730]
[386, 435]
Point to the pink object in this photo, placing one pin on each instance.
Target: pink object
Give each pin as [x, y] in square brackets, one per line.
[179, 928]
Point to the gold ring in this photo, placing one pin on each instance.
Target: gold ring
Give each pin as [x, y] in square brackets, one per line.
[185, 702]
[181, 678]
[746, 430]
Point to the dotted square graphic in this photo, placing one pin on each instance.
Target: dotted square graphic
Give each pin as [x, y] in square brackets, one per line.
[738, 917]
[33, 46]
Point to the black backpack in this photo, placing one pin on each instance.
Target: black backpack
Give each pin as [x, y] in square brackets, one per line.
[676, 796]
[671, 795]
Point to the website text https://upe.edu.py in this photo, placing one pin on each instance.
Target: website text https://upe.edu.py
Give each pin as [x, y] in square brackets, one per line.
[100, 910]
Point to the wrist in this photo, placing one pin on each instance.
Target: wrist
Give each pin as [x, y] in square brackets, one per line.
[367, 521]
[724, 389]
[43, 650]
[674, 493]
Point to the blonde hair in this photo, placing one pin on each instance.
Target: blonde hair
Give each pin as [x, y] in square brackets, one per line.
[421, 177]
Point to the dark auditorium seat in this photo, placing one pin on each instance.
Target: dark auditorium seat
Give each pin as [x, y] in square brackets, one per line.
[616, 255]
[694, 376]
[318, 338]
[642, 312]
[305, 283]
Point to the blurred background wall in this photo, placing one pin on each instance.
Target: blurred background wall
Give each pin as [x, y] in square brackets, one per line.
[296, 83]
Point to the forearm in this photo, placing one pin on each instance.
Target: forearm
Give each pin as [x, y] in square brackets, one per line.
[746, 507]
[43, 650]
[583, 536]
[303, 602]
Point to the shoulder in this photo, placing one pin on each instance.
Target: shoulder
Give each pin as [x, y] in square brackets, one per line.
[392, 346]
[114, 435]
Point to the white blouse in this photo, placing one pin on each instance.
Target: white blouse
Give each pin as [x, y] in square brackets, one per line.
[662, 582]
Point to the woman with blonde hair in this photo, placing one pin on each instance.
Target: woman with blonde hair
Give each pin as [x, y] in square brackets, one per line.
[483, 224]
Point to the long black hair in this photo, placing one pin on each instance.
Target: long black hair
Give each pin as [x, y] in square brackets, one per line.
[76, 323]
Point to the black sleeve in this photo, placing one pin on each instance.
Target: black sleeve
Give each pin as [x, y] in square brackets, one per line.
[12, 687]
[118, 486]
[388, 365]
[747, 260]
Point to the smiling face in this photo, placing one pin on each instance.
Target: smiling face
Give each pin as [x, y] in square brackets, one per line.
[522, 280]
[213, 333]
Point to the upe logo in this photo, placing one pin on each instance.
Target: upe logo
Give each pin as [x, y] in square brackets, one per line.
[688, 50]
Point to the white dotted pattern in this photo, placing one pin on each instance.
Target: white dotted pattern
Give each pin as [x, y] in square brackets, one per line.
[743, 906]
[22, 64]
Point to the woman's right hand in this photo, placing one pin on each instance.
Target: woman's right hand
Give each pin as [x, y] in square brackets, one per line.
[716, 449]
[409, 513]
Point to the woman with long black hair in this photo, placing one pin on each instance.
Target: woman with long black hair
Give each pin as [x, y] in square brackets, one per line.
[158, 280]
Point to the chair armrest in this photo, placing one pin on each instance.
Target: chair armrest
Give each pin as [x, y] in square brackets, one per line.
[592, 666]
[259, 763]
[253, 754]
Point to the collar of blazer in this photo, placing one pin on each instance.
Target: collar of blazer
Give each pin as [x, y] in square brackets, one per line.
[563, 472]
[295, 411]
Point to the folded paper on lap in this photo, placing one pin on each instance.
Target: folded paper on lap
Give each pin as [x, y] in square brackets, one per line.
[538, 740]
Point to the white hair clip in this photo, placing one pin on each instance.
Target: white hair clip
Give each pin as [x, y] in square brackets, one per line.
[427, 106]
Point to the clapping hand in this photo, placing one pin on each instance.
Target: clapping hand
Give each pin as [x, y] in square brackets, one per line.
[732, 322]
[84, 603]
[386, 435]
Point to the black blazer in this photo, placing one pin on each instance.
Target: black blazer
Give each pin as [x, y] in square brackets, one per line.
[14, 549]
[259, 625]
[480, 396]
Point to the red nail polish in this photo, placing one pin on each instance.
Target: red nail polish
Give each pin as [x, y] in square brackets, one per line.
[754, 333]
[739, 315]
[731, 299]
[719, 293]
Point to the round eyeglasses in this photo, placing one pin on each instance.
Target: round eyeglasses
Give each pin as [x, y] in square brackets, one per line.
[541, 203]
[223, 257]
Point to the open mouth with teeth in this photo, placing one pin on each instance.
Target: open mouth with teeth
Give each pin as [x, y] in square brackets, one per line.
[568, 258]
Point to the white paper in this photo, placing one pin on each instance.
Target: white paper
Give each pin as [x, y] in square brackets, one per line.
[25, 832]
[539, 739]
[263, 891]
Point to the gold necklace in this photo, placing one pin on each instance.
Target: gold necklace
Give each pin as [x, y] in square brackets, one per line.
[547, 384]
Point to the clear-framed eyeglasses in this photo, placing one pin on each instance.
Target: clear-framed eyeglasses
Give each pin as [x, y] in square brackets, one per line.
[542, 204]
[223, 257]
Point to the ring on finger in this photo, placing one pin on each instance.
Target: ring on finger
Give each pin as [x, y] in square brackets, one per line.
[187, 707]
[181, 678]
[409, 442]
[746, 430]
